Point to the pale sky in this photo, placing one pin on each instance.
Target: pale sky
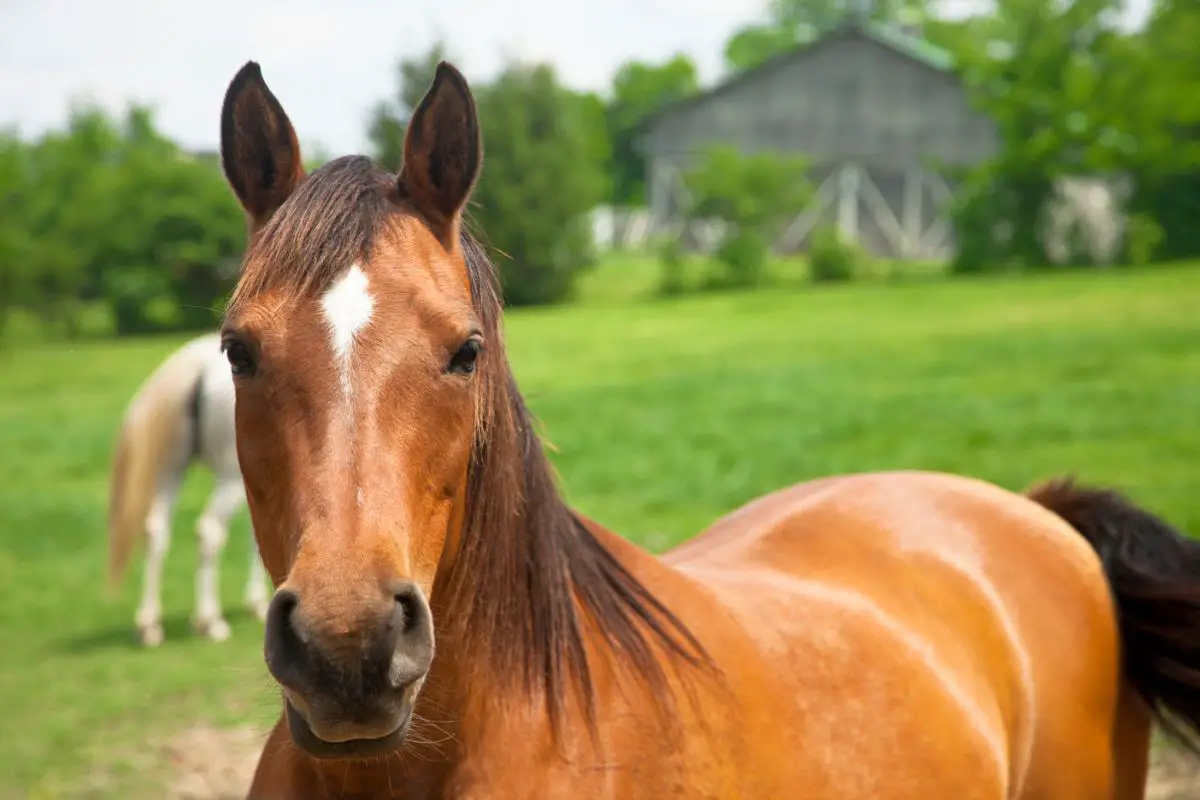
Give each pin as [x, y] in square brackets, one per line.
[328, 61]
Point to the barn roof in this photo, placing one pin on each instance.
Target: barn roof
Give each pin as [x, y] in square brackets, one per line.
[902, 42]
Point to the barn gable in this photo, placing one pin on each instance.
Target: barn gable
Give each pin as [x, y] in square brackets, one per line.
[872, 108]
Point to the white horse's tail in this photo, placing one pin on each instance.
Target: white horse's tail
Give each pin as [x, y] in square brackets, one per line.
[156, 426]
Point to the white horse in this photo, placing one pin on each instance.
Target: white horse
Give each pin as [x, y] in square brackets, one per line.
[182, 413]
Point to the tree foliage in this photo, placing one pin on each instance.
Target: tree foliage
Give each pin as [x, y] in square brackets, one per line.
[1071, 94]
[110, 211]
[639, 90]
[1161, 103]
[543, 173]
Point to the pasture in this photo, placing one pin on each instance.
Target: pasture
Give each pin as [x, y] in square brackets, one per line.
[663, 415]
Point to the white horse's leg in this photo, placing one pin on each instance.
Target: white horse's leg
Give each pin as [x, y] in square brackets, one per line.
[158, 533]
[213, 531]
[256, 587]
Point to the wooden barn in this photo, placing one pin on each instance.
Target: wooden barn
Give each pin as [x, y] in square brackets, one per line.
[876, 111]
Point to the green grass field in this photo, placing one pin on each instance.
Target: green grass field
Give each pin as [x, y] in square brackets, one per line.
[664, 415]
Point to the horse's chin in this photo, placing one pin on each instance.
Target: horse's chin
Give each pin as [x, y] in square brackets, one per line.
[349, 749]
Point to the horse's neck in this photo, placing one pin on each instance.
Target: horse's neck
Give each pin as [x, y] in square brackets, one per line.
[504, 737]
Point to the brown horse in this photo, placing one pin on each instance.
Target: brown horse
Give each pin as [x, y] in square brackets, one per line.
[889, 636]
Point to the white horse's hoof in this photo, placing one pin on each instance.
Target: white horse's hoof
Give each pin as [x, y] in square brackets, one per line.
[219, 631]
[216, 630]
[151, 635]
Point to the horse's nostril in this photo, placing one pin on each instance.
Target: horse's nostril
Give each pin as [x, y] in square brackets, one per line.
[284, 602]
[283, 643]
[279, 613]
[407, 606]
[411, 642]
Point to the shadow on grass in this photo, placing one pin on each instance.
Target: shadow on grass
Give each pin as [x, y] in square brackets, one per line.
[177, 628]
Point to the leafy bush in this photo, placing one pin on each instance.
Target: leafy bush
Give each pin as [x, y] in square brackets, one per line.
[1143, 237]
[673, 261]
[744, 254]
[755, 195]
[831, 258]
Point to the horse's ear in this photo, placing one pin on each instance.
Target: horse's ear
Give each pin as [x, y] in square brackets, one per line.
[443, 153]
[259, 150]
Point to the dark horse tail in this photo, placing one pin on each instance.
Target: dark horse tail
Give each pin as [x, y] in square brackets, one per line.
[1154, 574]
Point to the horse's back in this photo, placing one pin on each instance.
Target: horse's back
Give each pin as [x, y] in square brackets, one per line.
[217, 440]
[922, 613]
[175, 375]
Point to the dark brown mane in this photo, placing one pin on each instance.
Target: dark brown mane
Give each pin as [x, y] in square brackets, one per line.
[529, 576]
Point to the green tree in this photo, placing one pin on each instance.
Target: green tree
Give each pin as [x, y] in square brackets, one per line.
[1158, 106]
[599, 151]
[111, 211]
[65, 202]
[543, 173]
[1037, 70]
[639, 90]
[15, 240]
[172, 229]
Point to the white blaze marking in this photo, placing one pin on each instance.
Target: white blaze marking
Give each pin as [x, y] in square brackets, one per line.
[347, 307]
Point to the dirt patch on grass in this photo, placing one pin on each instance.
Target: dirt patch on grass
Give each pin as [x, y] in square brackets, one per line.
[1174, 775]
[212, 764]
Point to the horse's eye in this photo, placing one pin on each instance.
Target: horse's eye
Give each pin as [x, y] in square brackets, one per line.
[463, 362]
[241, 363]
